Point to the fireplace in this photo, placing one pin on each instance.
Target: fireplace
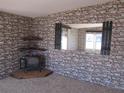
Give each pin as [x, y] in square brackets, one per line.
[32, 62]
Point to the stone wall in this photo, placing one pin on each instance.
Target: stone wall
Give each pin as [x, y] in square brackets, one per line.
[104, 70]
[12, 29]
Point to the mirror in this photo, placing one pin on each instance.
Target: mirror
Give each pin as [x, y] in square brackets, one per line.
[85, 37]
[92, 37]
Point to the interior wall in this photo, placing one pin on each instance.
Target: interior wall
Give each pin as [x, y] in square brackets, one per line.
[12, 29]
[104, 70]
[81, 39]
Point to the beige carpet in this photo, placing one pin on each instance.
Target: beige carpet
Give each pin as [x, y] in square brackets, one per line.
[52, 84]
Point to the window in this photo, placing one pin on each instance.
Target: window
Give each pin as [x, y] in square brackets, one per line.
[93, 40]
[91, 37]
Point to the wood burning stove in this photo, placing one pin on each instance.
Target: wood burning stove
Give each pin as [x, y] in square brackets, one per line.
[32, 46]
[25, 64]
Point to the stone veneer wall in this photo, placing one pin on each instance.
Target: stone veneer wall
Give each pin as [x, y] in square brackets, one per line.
[105, 70]
[12, 29]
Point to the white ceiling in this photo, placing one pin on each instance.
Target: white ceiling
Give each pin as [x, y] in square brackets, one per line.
[34, 8]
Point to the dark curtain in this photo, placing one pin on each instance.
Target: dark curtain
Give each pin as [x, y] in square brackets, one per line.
[58, 32]
[106, 38]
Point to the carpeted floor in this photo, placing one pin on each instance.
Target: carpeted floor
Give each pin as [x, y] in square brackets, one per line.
[52, 84]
